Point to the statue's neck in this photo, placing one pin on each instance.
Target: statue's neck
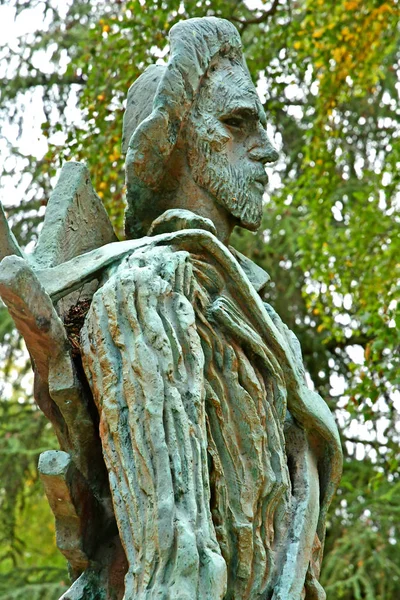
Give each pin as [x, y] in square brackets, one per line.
[222, 220]
[190, 196]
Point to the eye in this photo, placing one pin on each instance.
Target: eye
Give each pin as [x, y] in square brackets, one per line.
[234, 122]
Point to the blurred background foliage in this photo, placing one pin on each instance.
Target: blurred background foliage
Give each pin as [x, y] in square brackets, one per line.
[328, 72]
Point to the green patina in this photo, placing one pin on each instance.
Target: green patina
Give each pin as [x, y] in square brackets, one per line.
[194, 461]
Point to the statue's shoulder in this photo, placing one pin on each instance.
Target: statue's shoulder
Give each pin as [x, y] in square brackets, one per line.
[178, 236]
[181, 237]
[182, 229]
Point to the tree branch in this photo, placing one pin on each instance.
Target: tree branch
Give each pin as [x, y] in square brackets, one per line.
[22, 83]
[374, 443]
[355, 340]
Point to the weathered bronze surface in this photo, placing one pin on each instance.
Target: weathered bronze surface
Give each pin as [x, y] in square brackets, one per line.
[195, 463]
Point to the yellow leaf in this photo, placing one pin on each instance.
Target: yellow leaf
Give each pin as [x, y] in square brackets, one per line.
[337, 53]
[297, 45]
[352, 5]
[385, 8]
[317, 34]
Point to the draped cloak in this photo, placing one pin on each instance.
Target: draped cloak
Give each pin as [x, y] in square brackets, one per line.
[205, 422]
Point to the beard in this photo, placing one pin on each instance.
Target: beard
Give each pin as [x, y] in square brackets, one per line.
[231, 187]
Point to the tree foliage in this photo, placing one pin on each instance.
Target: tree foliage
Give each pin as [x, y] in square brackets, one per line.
[29, 567]
[330, 75]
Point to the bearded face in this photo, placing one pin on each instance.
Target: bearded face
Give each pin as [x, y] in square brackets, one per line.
[238, 188]
[227, 146]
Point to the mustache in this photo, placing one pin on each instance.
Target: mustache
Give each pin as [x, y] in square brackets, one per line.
[262, 178]
[246, 176]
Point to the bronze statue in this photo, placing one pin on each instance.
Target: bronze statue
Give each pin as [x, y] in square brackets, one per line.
[221, 462]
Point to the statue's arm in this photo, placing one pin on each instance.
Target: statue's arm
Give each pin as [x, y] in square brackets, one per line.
[74, 478]
[61, 397]
[308, 455]
[302, 538]
[288, 334]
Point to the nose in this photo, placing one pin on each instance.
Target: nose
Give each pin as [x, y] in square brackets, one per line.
[262, 150]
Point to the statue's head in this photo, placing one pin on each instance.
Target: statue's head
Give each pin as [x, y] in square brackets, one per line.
[202, 111]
